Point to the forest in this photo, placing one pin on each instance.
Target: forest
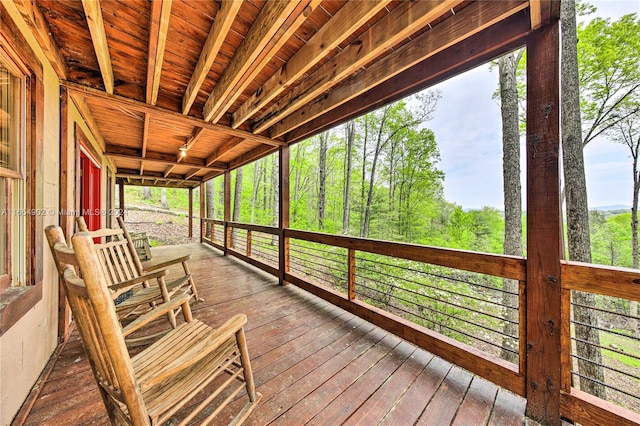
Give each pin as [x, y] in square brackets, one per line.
[378, 177]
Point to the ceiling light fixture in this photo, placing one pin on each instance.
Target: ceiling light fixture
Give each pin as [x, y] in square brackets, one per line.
[183, 150]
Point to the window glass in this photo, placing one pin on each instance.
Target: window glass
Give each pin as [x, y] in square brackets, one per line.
[11, 96]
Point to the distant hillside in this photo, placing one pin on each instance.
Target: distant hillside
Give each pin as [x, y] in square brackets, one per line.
[618, 207]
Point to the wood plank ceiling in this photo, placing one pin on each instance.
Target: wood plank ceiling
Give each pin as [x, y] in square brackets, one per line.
[231, 81]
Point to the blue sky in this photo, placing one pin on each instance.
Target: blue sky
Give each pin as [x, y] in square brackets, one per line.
[467, 128]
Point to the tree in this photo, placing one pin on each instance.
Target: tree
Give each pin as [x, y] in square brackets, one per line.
[627, 132]
[609, 72]
[579, 245]
[322, 179]
[146, 192]
[349, 130]
[163, 199]
[508, 66]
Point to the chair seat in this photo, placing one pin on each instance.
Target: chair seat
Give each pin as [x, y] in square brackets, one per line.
[183, 362]
[151, 294]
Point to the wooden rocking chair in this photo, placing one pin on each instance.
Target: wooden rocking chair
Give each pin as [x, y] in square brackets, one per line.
[152, 264]
[163, 381]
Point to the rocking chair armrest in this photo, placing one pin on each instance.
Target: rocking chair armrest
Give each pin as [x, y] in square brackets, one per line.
[138, 280]
[158, 311]
[198, 351]
[163, 262]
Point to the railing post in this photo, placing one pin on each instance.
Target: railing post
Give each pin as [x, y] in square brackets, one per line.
[283, 214]
[351, 274]
[190, 212]
[212, 231]
[202, 203]
[248, 252]
[227, 210]
[543, 298]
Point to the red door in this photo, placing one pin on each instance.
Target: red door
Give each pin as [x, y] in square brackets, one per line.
[89, 191]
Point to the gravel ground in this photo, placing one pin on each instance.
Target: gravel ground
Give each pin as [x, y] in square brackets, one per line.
[162, 228]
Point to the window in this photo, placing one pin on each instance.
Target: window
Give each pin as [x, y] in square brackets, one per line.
[13, 117]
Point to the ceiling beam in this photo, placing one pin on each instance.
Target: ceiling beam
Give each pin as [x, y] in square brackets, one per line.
[348, 19]
[36, 21]
[168, 171]
[478, 49]
[263, 30]
[192, 173]
[159, 25]
[219, 30]
[117, 151]
[223, 149]
[403, 21]
[112, 101]
[93, 13]
[254, 154]
[470, 20]
[543, 11]
[132, 175]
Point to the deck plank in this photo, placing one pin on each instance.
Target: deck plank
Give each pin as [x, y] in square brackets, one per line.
[313, 363]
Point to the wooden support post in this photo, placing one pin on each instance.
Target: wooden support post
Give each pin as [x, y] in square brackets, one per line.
[283, 214]
[543, 296]
[121, 197]
[351, 274]
[202, 204]
[248, 248]
[67, 205]
[190, 212]
[227, 210]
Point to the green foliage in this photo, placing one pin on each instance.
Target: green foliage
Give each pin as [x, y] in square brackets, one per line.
[611, 239]
[608, 53]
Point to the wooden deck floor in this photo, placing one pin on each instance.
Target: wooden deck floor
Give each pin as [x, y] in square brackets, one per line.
[313, 363]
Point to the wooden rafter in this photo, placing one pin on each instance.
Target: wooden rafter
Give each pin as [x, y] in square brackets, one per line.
[403, 21]
[351, 17]
[34, 18]
[222, 149]
[276, 43]
[145, 139]
[252, 155]
[192, 173]
[274, 14]
[513, 32]
[169, 170]
[84, 111]
[112, 100]
[116, 151]
[221, 26]
[93, 13]
[159, 25]
[470, 20]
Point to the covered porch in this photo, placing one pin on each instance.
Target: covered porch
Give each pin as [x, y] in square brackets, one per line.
[314, 363]
[243, 80]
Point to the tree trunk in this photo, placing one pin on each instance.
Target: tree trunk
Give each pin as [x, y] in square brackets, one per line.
[257, 169]
[376, 154]
[507, 66]
[322, 179]
[163, 199]
[237, 200]
[210, 198]
[346, 213]
[146, 193]
[588, 338]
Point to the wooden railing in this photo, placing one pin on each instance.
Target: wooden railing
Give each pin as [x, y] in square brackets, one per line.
[619, 283]
[342, 262]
